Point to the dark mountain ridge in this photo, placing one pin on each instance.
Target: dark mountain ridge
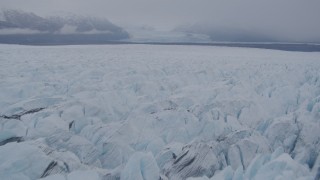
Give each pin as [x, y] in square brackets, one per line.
[18, 27]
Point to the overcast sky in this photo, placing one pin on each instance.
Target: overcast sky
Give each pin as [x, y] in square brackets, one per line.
[293, 18]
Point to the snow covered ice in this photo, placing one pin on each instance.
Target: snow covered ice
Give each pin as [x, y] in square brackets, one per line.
[149, 112]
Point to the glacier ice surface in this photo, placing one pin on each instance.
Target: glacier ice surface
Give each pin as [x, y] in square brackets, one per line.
[158, 112]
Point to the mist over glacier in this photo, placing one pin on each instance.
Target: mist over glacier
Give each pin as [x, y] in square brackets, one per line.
[158, 112]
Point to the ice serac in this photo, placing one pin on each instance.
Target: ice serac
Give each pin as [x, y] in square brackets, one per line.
[283, 167]
[76, 175]
[141, 166]
[195, 160]
[86, 152]
[22, 161]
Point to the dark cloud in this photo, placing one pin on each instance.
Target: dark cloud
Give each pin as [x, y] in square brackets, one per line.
[292, 19]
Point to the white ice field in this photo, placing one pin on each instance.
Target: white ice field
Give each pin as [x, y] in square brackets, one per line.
[150, 112]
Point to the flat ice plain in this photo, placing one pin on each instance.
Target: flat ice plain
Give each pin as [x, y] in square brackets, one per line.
[149, 112]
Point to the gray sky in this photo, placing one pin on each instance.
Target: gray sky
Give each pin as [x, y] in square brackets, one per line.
[298, 19]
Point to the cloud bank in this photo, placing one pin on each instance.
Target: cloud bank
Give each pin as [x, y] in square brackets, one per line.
[287, 20]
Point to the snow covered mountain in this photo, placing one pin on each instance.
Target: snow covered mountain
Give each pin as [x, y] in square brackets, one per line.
[28, 28]
[228, 33]
[225, 34]
[151, 35]
[149, 112]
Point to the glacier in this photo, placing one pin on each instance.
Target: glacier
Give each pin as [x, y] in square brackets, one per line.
[164, 112]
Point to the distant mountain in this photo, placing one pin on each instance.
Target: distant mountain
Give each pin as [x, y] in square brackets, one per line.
[19, 27]
[226, 34]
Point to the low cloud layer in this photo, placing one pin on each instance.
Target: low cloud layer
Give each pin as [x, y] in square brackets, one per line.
[294, 20]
